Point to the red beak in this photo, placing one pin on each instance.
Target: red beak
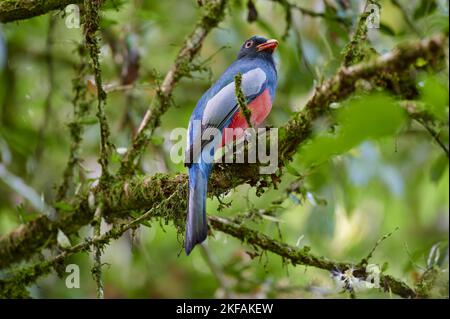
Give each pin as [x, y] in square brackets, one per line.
[270, 44]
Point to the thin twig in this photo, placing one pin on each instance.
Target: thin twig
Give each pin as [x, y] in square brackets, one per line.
[435, 135]
[91, 27]
[97, 268]
[366, 259]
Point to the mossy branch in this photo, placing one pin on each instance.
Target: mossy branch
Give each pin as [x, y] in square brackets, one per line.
[21, 278]
[304, 256]
[28, 275]
[355, 50]
[241, 100]
[97, 267]
[14, 10]
[91, 27]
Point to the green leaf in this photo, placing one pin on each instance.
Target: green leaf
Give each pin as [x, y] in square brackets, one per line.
[64, 207]
[25, 216]
[113, 5]
[425, 8]
[438, 168]
[89, 120]
[370, 116]
[291, 170]
[115, 157]
[107, 22]
[157, 140]
[435, 96]
[387, 30]
[420, 62]
[367, 117]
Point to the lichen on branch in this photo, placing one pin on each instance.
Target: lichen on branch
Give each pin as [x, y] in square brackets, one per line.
[241, 100]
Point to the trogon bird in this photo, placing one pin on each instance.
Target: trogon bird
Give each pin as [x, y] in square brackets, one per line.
[218, 108]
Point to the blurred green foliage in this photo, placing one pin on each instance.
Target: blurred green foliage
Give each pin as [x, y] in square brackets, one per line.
[366, 117]
[367, 170]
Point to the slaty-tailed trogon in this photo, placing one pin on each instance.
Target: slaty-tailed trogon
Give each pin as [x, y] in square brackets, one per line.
[218, 109]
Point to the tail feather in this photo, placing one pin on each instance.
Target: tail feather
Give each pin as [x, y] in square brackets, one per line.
[196, 224]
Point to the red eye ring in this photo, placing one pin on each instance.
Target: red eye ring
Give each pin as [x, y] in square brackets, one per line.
[248, 44]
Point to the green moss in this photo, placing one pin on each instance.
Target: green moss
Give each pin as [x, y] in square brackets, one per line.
[241, 99]
[91, 27]
[13, 10]
[356, 50]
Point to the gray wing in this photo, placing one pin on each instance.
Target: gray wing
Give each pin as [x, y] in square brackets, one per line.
[221, 108]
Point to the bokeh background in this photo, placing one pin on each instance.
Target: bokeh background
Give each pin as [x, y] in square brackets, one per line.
[348, 201]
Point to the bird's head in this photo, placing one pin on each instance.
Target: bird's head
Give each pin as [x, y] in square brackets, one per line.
[257, 47]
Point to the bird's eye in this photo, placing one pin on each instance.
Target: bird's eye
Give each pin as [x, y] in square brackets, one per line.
[248, 44]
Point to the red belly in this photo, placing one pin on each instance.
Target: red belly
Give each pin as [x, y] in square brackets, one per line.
[260, 108]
